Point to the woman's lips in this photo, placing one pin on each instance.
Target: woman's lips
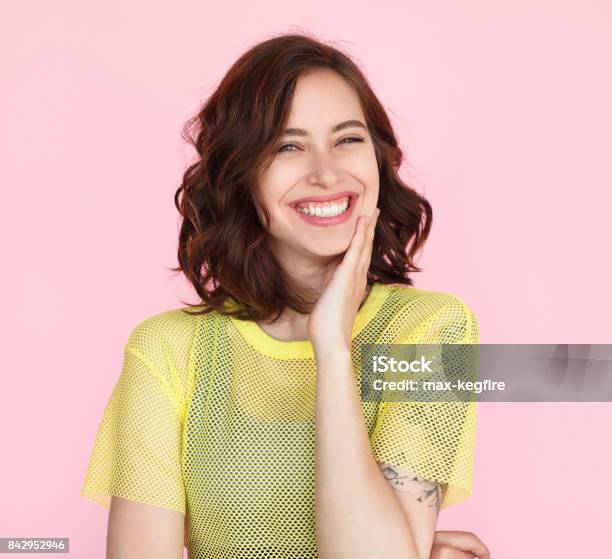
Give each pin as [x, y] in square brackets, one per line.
[328, 221]
[327, 198]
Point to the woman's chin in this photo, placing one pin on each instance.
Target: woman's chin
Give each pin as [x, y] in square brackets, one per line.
[329, 251]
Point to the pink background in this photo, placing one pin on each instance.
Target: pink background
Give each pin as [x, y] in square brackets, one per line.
[503, 109]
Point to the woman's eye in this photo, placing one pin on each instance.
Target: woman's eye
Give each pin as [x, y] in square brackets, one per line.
[282, 148]
[354, 139]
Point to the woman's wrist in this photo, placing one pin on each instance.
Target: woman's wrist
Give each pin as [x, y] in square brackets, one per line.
[331, 350]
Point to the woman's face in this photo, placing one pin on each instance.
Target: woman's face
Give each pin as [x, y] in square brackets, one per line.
[317, 170]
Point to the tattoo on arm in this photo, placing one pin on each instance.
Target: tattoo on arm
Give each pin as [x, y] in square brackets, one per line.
[423, 490]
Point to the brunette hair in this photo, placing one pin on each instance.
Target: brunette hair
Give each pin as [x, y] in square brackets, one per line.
[224, 249]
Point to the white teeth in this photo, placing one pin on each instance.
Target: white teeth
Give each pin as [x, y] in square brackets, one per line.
[326, 210]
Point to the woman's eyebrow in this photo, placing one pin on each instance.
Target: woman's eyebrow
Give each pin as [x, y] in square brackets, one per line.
[336, 128]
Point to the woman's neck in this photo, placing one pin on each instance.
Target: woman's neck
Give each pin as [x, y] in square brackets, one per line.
[292, 326]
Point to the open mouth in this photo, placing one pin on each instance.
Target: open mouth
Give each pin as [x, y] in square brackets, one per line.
[329, 209]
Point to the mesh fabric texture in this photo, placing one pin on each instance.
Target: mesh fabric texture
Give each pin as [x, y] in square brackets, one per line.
[213, 417]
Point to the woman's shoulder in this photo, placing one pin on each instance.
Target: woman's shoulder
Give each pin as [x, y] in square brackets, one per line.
[403, 294]
[175, 327]
[425, 314]
[165, 343]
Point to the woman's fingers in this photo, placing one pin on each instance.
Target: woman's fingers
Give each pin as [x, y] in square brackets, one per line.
[465, 541]
[366, 253]
[359, 252]
[353, 254]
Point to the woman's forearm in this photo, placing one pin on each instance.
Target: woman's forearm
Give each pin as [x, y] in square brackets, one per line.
[357, 514]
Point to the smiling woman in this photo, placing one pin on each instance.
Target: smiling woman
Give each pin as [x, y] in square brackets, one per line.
[241, 414]
[314, 193]
[293, 121]
[330, 180]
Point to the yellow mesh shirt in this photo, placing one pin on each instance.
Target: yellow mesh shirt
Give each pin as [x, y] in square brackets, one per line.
[213, 417]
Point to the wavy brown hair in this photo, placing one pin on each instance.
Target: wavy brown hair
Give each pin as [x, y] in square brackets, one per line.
[224, 249]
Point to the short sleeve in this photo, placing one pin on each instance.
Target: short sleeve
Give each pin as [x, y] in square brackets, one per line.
[137, 450]
[434, 440]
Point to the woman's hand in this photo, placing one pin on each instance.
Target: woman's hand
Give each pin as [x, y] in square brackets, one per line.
[332, 319]
[458, 545]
